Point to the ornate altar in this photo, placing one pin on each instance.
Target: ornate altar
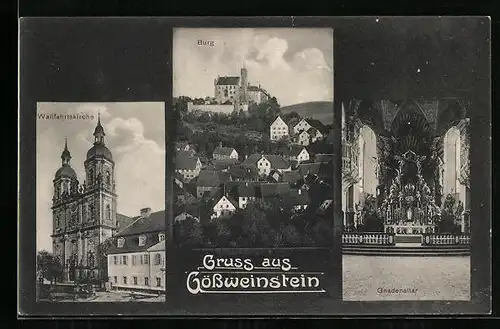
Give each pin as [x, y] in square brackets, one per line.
[410, 206]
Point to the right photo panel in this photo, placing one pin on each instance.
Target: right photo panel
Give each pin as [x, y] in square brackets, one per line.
[406, 199]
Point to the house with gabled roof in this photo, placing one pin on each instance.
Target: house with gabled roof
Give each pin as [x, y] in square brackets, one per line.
[136, 259]
[188, 165]
[224, 153]
[265, 163]
[297, 153]
[225, 206]
[278, 129]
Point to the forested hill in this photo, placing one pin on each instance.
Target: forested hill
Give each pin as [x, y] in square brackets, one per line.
[322, 111]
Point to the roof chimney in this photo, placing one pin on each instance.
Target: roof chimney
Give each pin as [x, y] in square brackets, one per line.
[145, 212]
[299, 191]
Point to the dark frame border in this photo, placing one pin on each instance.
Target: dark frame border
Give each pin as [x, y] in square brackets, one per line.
[152, 38]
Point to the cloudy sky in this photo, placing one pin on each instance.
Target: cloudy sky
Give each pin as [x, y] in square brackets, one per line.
[294, 64]
[135, 134]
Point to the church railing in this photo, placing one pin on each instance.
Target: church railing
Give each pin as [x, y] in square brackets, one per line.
[368, 238]
[445, 239]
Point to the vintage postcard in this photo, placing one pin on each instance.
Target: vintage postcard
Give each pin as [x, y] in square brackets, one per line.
[100, 202]
[253, 158]
[406, 199]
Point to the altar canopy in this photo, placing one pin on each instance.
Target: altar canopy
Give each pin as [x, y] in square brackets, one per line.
[409, 155]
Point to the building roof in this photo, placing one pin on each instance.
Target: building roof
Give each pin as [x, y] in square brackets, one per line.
[331, 137]
[224, 163]
[98, 151]
[291, 176]
[154, 222]
[309, 168]
[247, 190]
[252, 159]
[222, 150]
[212, 178]
[131, 243]
[254, 88]
[224, 81]
[65, 171]
[296, 197]
[122, 221]
[242, 171]
[325, 206]
[160, 246]
[277, 161]
[185, 160]
[292, 150]
[273, 189]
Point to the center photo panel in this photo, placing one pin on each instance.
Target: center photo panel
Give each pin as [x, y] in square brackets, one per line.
[251, 172]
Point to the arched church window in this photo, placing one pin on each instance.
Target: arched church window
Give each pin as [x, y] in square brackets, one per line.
[108, 178]
[108, 211]
[225, 93]
[91, 176]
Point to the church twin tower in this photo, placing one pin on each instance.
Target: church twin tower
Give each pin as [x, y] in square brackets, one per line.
[84, 215]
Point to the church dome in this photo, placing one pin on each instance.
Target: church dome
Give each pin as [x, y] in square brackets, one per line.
[99, 150]
[65, 171]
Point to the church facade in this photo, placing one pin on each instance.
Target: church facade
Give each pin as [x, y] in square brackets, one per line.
[84, 214]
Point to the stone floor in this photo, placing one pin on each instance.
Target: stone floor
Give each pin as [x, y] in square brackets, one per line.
[425, 278]
[118, 296]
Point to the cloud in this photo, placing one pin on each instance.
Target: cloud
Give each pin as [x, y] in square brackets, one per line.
[293, 69]
[139, 160]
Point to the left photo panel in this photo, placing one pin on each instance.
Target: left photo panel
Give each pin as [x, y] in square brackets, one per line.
[100, 202]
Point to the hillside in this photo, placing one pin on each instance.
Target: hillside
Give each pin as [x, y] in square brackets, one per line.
[322, 111]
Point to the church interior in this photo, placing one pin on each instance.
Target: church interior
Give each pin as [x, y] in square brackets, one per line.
[405, 166]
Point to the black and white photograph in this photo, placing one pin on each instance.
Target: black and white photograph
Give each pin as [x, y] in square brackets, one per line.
[253, 149]
[406, 199]
[100, 202]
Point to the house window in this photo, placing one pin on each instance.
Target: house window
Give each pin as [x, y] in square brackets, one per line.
[161, 237]
[142, 240]
[142, 260]
[135, 281]
[125, 259]
[115, 279]
[157, 259]
[115, 260]
[158, 282]
[108, 212]
[134, 260]
[124, 280]
[146, 259]
[146, 281]
[108, 178]
[120, 242]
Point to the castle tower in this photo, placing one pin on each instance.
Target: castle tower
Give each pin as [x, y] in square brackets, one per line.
[244, 86]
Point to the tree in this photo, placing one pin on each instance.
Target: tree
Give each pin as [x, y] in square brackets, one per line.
[190, 233]
[48, 267]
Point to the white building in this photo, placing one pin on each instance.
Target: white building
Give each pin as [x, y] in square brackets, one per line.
[224, 207]
[296, 153]
[136, 261]
[278, 129]
[302, 125]
[224, 153]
